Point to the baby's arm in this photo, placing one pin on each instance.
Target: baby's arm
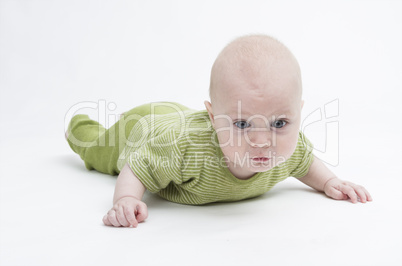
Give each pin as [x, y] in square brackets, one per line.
[322, 179]
[128, 209]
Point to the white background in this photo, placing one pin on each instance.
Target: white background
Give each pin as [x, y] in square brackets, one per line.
[56, 54]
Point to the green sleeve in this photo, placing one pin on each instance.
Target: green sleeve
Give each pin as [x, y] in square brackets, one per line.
[302, 157]
[158, 162]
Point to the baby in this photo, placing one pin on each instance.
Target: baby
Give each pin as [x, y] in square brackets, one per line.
[245, 142]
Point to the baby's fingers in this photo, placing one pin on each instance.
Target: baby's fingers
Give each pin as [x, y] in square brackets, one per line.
[362, 193]
[369, 198]
[110, 219]
[121, 217]
[336, 194]
[348, 190]
[106, 220]
[130, 216]
[141, 212]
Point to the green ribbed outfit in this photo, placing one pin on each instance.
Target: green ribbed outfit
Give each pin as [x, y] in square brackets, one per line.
[175, 153]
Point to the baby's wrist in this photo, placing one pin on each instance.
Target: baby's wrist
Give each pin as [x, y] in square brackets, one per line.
[126, 196]
[326, 182]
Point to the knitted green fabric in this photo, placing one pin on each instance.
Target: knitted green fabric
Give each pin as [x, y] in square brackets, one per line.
[178, 157]
[174, 152]
[100, 148]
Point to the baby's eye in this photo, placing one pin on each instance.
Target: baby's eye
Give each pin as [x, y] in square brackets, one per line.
[242, 124]
[279, 123]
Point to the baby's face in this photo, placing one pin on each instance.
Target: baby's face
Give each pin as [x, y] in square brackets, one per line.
[257, 118]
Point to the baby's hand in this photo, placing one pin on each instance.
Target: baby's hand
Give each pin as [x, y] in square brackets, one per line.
[342, 190]
[127, 211]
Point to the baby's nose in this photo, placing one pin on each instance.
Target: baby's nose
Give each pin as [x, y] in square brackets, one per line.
[259, 138]
[261, 145]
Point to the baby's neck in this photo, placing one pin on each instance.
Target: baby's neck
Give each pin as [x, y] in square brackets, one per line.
[239, 172]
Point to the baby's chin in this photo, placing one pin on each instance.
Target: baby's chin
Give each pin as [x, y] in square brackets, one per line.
[260, 169]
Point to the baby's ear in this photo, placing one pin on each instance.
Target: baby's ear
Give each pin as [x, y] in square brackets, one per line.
[208, 106]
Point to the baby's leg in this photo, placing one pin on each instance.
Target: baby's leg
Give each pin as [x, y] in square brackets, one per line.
[92, 142]
[100, 148]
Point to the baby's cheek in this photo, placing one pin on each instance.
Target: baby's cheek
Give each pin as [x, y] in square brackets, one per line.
[235, 148]
[286, 147]
[225, 138]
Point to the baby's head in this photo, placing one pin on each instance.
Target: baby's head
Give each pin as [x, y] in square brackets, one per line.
[256, 103]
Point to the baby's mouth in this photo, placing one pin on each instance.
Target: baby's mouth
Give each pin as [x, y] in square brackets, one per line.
[260, 159]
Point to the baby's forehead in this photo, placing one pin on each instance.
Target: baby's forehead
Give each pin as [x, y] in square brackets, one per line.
[278, 91]
[259, 107]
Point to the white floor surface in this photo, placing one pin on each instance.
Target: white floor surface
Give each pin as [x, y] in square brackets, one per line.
[55, 54]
